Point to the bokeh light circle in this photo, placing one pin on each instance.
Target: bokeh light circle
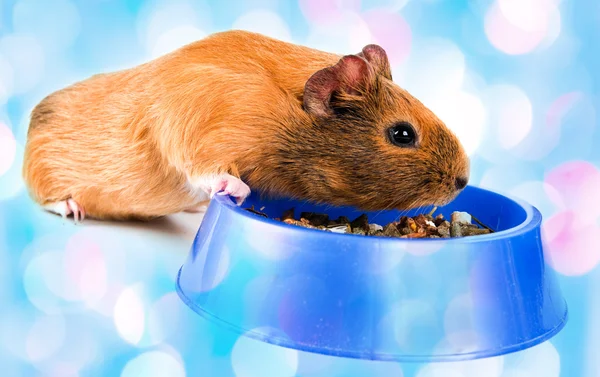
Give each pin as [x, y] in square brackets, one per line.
[439, 370]
[56, 24]
[253, 358]
[268, 245]
[175, 38]
[346, 34]
[527, 15]
[511, 114]
[386, 262]
[465, 115]
[460, 329]
[129, 314]
[577, 183]
[407, 319]
[26, 53]
[559, 108]
[6, 80]
[45, 337]
[326, 11]
[315, 364]
[11, 182]
[435, 70]
[363, 368]
[541, 195]
[154, 364]
[554, 28]
[164, 25]
[389, 5]
[487, 367]
[541, 360]
[264, 22]
[44, 284]
[8, 148]
[520, 26]
[571, 247]
[389, 30]
[164, 317]
[85, 269]
[503, 178]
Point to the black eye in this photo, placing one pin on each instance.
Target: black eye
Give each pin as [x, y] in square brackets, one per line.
[402, 134]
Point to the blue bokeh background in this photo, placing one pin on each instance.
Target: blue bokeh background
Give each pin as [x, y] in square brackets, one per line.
[516, 80]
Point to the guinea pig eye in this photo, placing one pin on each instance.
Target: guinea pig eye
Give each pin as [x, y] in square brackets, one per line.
[403, 135]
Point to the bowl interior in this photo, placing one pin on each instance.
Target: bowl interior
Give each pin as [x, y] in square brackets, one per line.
[494, 210]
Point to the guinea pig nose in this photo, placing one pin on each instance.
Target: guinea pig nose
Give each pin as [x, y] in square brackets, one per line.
[460, 183]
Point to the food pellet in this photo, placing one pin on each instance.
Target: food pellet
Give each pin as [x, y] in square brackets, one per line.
[419, 226]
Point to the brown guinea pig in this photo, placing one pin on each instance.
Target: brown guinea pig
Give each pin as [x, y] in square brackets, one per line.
[238, 109]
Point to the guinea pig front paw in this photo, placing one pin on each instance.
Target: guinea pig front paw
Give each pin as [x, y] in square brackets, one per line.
[226, 184]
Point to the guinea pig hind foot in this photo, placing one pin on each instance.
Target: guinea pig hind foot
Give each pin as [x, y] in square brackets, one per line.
[66, 208]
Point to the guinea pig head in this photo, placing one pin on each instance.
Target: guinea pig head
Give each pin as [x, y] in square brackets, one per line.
[369, 143]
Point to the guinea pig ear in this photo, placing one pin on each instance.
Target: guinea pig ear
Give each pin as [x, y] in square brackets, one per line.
[351, 74]
[378, 58]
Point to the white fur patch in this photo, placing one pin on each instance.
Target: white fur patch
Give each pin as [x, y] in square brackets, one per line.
[60, 208]
[201, 186]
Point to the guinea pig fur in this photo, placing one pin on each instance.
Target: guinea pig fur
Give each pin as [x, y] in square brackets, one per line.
[234, 111]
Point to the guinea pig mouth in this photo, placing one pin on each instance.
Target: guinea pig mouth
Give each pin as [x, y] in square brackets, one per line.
[446, 200]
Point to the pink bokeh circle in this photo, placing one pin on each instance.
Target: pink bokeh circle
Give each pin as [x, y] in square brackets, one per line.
[326, 11]
[510, 38]
[578, 184]
[570, 247]
[390, 31]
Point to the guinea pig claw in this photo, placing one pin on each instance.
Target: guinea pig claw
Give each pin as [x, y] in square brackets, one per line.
[77, 210]
[238, 200]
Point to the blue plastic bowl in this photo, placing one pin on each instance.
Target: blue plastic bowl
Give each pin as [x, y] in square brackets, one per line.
[374, 297]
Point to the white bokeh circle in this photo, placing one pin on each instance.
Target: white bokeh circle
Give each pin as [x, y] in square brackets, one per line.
[542, 360]
[44, 283]
[56, 24]
[465, 115]
[25, 52]
[45, 337]
[510, 114]
[541, 195]
[154, 364]
[164, 317]
[521, 26]
[253, 358]
[8, 148]
[487, 367]
[11, 182]
[6, 80]
[175, 38]
[435, 68]
[264, 22]
[164, 26]
[129, 314]
[346, 34]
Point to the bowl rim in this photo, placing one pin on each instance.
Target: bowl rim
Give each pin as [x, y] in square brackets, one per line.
[533, 220]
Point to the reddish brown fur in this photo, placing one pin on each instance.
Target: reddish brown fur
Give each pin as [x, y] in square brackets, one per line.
[123, 144]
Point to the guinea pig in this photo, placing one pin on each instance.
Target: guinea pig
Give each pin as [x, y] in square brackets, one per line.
[234, 111]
